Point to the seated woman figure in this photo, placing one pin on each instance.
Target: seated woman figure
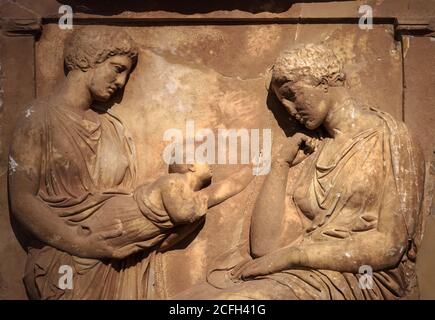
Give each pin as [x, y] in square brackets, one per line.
[358, 197]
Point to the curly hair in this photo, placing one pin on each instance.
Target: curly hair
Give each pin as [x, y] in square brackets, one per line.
[310, 61]
[92, 45]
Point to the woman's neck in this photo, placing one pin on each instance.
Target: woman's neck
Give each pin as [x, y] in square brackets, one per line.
[343, 117]
[74, 93]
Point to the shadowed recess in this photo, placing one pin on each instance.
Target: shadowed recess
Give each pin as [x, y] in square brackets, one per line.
[183, 7]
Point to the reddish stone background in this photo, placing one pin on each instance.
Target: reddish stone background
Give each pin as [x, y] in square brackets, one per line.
[419, 114]
[216, 75]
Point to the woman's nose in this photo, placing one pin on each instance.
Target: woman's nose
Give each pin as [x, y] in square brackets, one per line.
[290, 105]
[120, 81]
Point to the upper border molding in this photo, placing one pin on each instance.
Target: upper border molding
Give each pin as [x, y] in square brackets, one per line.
[26, 17]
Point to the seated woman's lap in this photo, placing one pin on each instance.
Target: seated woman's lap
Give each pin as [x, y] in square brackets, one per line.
[261, 289]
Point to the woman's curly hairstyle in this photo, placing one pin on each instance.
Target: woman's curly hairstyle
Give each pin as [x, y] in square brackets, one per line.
[310, 61]
[94, 44]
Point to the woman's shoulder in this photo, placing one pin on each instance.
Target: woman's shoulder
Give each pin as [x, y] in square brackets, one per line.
[384, 119]
[395, 129]
[403, 145]
[27, 137]
[32, 117]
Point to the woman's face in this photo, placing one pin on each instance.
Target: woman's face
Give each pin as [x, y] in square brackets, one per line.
[109, 76]
[307, 102]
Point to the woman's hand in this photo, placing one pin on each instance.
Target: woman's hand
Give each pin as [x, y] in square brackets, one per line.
[95, 245]
[289, 150]
[279, 260]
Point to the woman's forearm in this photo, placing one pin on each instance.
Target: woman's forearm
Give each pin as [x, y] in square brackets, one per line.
[48, 228]
[268, 214]
[223, 190]
[377, 250]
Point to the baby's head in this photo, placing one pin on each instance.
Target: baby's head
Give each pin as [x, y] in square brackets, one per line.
[202, 170]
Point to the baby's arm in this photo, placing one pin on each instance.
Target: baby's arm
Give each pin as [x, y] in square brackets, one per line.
[181, 203]
[223, 190]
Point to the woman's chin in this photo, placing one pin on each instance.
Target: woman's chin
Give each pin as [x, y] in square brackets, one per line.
[311, 125]
[103, 97]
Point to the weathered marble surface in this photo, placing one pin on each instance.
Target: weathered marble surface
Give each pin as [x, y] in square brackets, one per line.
[217, 76]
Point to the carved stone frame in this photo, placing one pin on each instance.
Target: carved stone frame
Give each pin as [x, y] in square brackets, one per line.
[21, 28]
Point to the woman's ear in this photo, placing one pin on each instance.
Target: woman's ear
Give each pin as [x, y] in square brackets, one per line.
[324, 84]
[86, 76]
[192, 167]
[337, 80]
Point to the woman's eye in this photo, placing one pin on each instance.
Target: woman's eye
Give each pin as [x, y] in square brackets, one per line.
[119, 69]
[289, 95]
